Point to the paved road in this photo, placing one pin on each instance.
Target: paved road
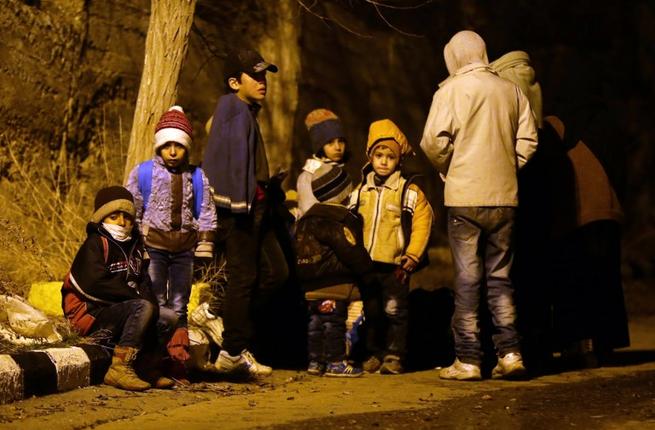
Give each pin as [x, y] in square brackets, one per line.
[618, 396]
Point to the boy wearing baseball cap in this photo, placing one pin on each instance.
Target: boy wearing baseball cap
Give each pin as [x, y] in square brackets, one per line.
[237, 167]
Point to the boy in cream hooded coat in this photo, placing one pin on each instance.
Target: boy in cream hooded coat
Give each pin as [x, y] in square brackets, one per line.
[479, 132]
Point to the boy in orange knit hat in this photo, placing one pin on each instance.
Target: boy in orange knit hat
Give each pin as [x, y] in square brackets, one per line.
[329, 147]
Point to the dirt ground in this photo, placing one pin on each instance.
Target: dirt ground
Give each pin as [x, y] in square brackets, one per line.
[621, 395]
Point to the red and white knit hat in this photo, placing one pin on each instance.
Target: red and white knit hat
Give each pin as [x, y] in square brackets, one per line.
[173, 126]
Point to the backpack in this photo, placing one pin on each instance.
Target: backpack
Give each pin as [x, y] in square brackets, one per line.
[145, 185]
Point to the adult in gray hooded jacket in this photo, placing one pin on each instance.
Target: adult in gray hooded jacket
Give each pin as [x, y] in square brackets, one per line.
[479, 132]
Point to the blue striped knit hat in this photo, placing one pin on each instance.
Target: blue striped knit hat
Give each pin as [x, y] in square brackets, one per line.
[323, 125]
[331, 184]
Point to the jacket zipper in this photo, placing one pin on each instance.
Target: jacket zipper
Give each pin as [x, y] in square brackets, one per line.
[375, 219]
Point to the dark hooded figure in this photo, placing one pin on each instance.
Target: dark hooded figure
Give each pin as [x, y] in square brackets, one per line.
[567, 266]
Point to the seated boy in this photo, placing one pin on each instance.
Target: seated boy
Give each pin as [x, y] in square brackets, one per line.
[108, 289]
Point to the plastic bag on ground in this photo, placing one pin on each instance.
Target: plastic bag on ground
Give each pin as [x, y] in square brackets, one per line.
[24, 320]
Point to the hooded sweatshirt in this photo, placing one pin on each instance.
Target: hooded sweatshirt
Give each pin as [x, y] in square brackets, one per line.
[515, 67]
[480, 129]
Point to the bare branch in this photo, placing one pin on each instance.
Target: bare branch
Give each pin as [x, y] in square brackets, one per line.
[386, 21]
[389, 6]
[325, 19]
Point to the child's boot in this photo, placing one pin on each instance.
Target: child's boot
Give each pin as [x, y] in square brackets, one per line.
[121, 373]
[391, 365]
[371, 365]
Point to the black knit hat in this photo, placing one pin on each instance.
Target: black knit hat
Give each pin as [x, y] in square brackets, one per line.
[110, 200]
[331, 183]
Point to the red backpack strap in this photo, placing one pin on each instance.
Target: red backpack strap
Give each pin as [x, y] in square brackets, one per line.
[105, 248]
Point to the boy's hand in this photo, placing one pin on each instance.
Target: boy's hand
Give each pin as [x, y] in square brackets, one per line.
[401, 275]
[407, 263]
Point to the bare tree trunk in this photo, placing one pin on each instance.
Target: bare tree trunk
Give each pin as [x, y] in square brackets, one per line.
[166, 48]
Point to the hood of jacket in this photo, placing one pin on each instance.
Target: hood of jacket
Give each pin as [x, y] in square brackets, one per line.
[385, 129]
[515, 67]
[464, 48]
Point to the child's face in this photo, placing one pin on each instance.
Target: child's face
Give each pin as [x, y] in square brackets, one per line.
[334, 149]
[173, 154]
[384, 160]
[252, 87]
[119, 218]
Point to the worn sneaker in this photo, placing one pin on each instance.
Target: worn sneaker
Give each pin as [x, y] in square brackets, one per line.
[243, 363]
[461, 371]
[391, 365]
[509, 367]
[341, 369]
[316, 368]
[371, 365]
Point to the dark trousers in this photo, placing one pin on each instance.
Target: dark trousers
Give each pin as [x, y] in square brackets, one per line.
[386, 316]
[481, 243]
[256, 266]
[171, 274]
[586, 278]
[326, 331]
[136, 323]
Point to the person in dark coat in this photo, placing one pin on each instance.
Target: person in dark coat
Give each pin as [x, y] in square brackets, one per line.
[589, 315]
[567, 266]
[334, 268]
[248, 200]
[107, 290]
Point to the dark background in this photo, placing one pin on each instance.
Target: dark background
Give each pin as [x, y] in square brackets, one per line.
[71, 68]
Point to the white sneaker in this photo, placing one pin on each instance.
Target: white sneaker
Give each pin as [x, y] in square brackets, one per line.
[509, 367]
[461, 371]
[243, 363]
[254, 367]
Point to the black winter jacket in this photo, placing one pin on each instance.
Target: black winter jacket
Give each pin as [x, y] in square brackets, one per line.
[330, 251]
[104, 272]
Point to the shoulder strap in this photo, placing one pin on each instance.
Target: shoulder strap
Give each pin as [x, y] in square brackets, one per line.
[196, 179]
[145, 181]
[105, 248]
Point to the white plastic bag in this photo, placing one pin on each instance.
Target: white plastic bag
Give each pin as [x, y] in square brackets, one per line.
[27, 321]
[209, 323]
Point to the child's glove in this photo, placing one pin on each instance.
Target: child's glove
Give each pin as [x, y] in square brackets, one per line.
[204, 249]
[178, 346]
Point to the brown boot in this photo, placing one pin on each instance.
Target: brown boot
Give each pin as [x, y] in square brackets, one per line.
[121, 373]
[149, 368]
[163, 383]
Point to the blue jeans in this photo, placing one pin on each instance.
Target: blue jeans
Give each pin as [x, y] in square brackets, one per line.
[172, 275]
[326, 332]
[481, 244]
[133, 323]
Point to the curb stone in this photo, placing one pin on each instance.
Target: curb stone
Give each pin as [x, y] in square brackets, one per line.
[52, 370]
[55, 370]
